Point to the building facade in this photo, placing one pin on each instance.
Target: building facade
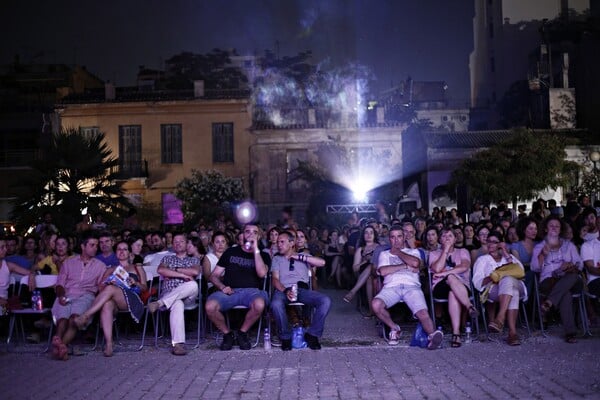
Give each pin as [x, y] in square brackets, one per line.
[159, 138]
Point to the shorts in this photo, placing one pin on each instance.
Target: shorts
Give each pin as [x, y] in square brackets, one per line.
[76, 306]
[239, 297]
[411, 295]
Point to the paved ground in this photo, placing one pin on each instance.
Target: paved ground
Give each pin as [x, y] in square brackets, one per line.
[355, 364]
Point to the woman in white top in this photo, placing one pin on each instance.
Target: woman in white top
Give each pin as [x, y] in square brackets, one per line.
[506, 293]
[219, 245]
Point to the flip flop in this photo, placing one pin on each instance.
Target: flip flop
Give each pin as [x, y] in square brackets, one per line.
[495, 327]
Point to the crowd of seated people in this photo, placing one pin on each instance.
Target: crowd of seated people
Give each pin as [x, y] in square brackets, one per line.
[555, 245]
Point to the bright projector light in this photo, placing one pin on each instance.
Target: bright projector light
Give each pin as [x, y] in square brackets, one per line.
[359, 192]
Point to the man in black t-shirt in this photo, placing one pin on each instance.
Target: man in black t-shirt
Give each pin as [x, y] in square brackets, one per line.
[238, 279]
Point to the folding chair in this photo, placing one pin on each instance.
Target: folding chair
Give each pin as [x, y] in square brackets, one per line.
[260, 320]
[196, 305]
[578, 297]
[41, 281]
[434, 300]
[591, 296]
[149, 283]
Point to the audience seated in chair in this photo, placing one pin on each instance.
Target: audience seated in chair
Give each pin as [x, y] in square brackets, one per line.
[451, 269]
[557, 261]
[507, 292]
[113, 298]
[238, 277]
[289, 267]
[79, 280]
[179, 286]
[400, 268]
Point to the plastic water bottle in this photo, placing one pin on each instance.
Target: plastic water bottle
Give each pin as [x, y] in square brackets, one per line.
[439, 328]
[34, 299]
[267, 340]
[468, 333]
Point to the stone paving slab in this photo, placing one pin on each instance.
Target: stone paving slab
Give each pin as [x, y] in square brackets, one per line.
[546, 368]
[356, 363]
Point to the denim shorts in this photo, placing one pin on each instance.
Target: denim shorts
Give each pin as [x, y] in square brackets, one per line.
[239, 297]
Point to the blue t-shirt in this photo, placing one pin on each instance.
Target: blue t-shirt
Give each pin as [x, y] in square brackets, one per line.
[21, 261]
[110, 261]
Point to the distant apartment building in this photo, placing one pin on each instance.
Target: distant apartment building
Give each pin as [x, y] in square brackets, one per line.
[507, 34]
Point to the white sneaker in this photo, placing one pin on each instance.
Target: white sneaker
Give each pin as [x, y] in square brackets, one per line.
[394, 336]
[435, 340]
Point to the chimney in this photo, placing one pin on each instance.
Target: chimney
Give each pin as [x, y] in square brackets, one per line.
[380, 115]
[312, 117]
[565, 70]
[198, 89]
[109, 91]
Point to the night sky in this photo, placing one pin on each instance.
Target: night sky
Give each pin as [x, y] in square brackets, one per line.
[423, 39]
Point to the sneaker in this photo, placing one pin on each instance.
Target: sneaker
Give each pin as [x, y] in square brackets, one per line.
[33, 338]
[179, 350]
[227, 343]
[312, 341]
[394, 336]
[286, 344]
[243, 341]
[435, 340]
[275, 341]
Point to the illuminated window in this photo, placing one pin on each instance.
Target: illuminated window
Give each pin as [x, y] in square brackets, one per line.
[222, 142]
[170, 144]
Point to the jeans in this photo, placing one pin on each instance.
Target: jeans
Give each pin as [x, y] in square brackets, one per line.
[310, 298]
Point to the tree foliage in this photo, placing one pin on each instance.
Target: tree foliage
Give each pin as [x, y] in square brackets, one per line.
[206, 194]
[214, 68]
[519, 167]
[74, 172]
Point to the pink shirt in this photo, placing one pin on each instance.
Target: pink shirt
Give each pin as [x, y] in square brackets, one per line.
[79, 279]
[456, 257]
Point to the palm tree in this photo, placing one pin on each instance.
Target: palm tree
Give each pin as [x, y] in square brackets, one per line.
[75, 171]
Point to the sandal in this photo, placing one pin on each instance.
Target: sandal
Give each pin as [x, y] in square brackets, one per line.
[473, 313]
[546, 306]
[348, 298]
[455, 341]
[570, 338]
[496, 327]
[513, 340]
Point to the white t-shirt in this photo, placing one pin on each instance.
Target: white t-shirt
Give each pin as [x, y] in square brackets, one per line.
[403, 277]
[590, 251]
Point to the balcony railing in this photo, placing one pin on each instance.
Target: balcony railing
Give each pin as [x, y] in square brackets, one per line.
[132, 170]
